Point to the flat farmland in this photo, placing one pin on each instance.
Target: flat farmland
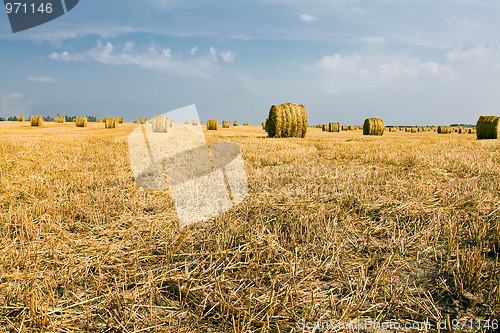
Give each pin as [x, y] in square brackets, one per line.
[336, 227]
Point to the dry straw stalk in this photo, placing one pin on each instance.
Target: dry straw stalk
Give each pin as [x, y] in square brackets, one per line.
[287, 120]
[373, 126]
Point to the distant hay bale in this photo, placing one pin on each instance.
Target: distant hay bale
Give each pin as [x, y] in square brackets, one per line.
[392, 129]
[21, 118]
[373, 126]
[134, 121]
[245, 124]
[414, 130]
[488, 127]
[162, 124]
[444, 130]
[110, 122]
[235, 123]
[201, 123]
[120, 120]
[286, 121]
[144, 120]
[36, 121]
[225, 124]
[324, 128]
[187, 122]
[60, 119]
[98, 120]
[345, 128]
[264, 125]
[212, 125]
[81, 122]
[333, 127]
[194, 122]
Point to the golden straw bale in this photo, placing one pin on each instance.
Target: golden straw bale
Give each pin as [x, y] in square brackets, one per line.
[488, 127]
[212, 125]
[373, 126]
[287, 120]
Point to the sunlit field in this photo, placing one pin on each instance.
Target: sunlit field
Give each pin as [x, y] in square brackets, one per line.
[336, 227]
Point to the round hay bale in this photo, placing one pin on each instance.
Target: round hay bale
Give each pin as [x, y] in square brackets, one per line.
[81, 122]
[488, 127]
[36, 121]
[334, 127]
[245, 124]
[120, 120]
[60, 119]
[414, 130]
[110, 122]
[21, 118]
[286, 121]
[235, 123]
[373, 126]
[144, 120]
[134, 121]
[225, 124]
[161, 124]
[98, 120]
[194, 122]
[345, 128]
[212, 125]
[187, 122]
[324, 127]
[444, 129]
[264, 125]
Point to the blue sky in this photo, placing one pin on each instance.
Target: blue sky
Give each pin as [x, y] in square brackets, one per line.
[412, 62]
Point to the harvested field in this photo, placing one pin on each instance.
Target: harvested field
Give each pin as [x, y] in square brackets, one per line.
[400, 227]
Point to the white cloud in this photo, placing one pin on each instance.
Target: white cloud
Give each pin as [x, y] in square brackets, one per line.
[154, 58]
[42, 79]
[373, 39]
[193, 50]
[227, 56]
[13, 96]
[213, 53]
[354, 72]
[308, 18]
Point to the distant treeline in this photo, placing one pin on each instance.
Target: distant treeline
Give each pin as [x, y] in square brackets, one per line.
[90, 119]
[462, 125]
